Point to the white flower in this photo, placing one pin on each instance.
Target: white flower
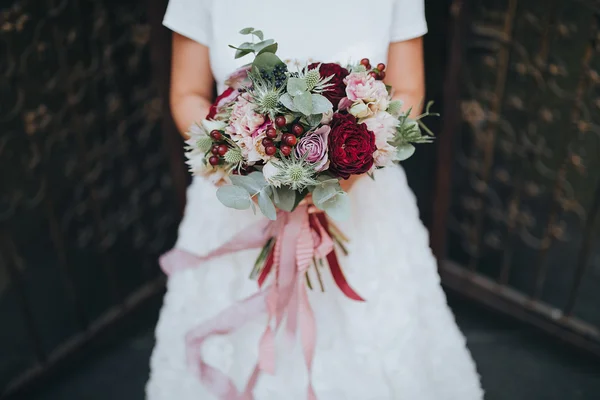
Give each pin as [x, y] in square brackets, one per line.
[210, 125]
[360, 110]
[383, 125]
[384, 156]
[270, 172]
[327, 117]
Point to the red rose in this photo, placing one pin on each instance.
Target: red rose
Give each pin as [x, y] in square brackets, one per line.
[337, 90]
[351, 146]
[222, 98]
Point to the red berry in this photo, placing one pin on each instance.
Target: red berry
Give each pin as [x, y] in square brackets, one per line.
[373, 74]
[271, 133]
[381, 67]
[216, 135]
[223, 149]
[382, 75]
[289, 139]
[267, 142]
[297, 129]
[215, 149]
[365, 62]
[285, 150]
[270, 150]
[214, 160]
[280, 121]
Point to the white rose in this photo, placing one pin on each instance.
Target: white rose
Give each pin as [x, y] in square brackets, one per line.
[269, 172]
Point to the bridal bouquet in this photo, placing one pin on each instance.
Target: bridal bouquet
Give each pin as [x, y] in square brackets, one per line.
[277, 135]
[274, 137]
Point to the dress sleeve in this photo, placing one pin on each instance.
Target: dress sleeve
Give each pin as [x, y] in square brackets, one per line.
[190, 18]
[408, 20]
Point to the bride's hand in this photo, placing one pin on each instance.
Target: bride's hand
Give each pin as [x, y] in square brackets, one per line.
[347, 184]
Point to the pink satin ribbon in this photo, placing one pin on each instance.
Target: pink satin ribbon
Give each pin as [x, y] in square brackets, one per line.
[301, 237]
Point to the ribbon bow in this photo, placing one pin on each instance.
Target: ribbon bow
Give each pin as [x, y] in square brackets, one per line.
[300, 237]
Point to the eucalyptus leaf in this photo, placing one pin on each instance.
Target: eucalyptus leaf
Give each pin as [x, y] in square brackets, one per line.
[247, 31]
[272, 48]
[261, 45]
[266, 62]
[324, 192]
[259, 178]
[338, 207]
[288, 102]
[285, 198]
[242, 53]
[304, 103]
[258, 34]
[296, 86]
[314, 119]
[266, 205]
[251, 185]
[234, 197]
[404, 152]
[321, 104]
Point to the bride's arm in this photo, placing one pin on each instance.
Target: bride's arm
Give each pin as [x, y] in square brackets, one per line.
[191, 82]
[405, 73]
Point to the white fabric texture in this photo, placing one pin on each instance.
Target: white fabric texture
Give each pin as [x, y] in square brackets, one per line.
[403, 342]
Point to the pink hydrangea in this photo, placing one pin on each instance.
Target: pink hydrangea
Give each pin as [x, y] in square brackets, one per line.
[368, 95]
[244, 121]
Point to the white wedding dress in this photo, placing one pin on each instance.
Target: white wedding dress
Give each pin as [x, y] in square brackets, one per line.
[403, 342]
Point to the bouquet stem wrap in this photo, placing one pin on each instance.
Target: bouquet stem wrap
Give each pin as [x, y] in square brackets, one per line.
[300, 237]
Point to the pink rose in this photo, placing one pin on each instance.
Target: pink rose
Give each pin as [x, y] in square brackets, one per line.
[239, 78]
[314, 146]
[368, 95]
[383, 125]
[244, 121]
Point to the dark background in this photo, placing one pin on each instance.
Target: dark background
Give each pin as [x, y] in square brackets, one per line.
[92, 185]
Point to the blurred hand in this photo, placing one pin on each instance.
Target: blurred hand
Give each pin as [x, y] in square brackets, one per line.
[347, 184]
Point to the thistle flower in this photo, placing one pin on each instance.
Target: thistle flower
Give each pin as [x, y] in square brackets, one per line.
[314, 82]
[265, 95]
[294, 172]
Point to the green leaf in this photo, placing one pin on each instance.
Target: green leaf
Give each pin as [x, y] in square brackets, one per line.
[288, 102]
[272, 48]
[321, 104]
[251, 184]
[259, 178]
[261, 45]
[296, 86]
[247, 31]
[258, 34]
[234, 197]
[338, 207]
[324, 192]
[285, 198]
[304, 103]
[266, 205]
[266, 62]
[242, 53]
[404, 152]
[314, 119]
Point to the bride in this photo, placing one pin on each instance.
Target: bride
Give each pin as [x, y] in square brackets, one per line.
[403, 342]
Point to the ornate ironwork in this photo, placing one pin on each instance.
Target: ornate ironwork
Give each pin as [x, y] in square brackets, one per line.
[526, 186]
[87, 200]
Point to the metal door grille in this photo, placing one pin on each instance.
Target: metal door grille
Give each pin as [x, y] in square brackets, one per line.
[516, 221]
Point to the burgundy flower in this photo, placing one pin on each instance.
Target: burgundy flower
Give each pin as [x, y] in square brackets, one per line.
[351, 146]
[224, 98]
[337, 90]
